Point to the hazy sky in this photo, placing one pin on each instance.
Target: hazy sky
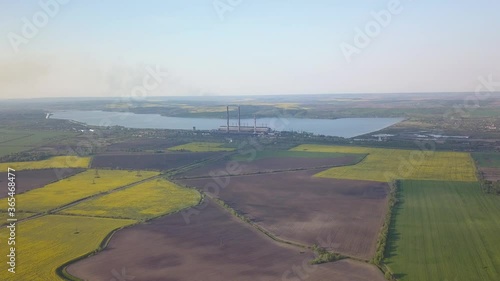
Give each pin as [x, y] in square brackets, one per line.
[235, 47]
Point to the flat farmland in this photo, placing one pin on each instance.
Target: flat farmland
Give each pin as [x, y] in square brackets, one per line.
[201, 147]
[142, 201]
[445, 231]
[384, 165]
[59, 162]
[489, 165]
[491, 174]
[341, 215]
[270, 161]
[19, 215]
[74, 188]
[32, 179]
[150, 161]
[211, 246]
[43, 244]
[13, 141]
[142, 144]
[487, 159]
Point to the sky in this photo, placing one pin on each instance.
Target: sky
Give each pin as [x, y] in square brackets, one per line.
[75, 48]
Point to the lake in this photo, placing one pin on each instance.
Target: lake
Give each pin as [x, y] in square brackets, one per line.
[343, 127]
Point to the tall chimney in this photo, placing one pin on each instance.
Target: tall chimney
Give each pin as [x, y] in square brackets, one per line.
[227, 111]
[239, 119]
[254, 124]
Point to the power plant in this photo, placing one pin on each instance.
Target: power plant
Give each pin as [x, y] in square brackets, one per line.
[235, 129]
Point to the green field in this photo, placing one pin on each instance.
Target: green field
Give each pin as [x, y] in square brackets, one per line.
[43, 244]
[383, 164]
[201, 147]
[143, 201]
[445, 231]
[487, 159]
[262, 154]
[13, 141]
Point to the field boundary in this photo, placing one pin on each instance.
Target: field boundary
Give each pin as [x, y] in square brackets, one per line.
[39, 214]
[100, 194]
[172, 172]
[93, 196]
[140, 220]
[243, 218]
[276, 171]
[63, 273]
[18, 138]
[381, 249]
[166, 171]
[270, 235]
[485, 185]
[385, 165]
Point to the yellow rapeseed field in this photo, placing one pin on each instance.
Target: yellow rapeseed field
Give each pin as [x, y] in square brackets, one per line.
[145, 200]
[201, 147]
[43, 244]
[77, 187]
[54, 162]
[382, 164]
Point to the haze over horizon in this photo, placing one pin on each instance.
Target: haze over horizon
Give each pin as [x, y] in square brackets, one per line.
[56, 48]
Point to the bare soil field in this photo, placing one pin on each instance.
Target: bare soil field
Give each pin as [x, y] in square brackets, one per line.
[222, 167]
[30, 179]
[341, 215]
[149, 161]
[211, 246]
[491, 174]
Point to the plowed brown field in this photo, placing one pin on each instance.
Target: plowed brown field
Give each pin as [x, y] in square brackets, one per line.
[143, 161]
[213, 246]
[220, 168]
[30, 179]
[342, 215]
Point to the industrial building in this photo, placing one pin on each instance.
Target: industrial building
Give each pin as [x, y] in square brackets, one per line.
[243, 129]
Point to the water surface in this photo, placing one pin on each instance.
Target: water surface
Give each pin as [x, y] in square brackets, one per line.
[343, 127]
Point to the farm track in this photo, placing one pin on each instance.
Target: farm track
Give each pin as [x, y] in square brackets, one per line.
[218, 245]
[298, 217]
[269, 234]
[169, 173]
[15, 139]
[263, 172]
[219, 168]
[58, 209]
[27, 180]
